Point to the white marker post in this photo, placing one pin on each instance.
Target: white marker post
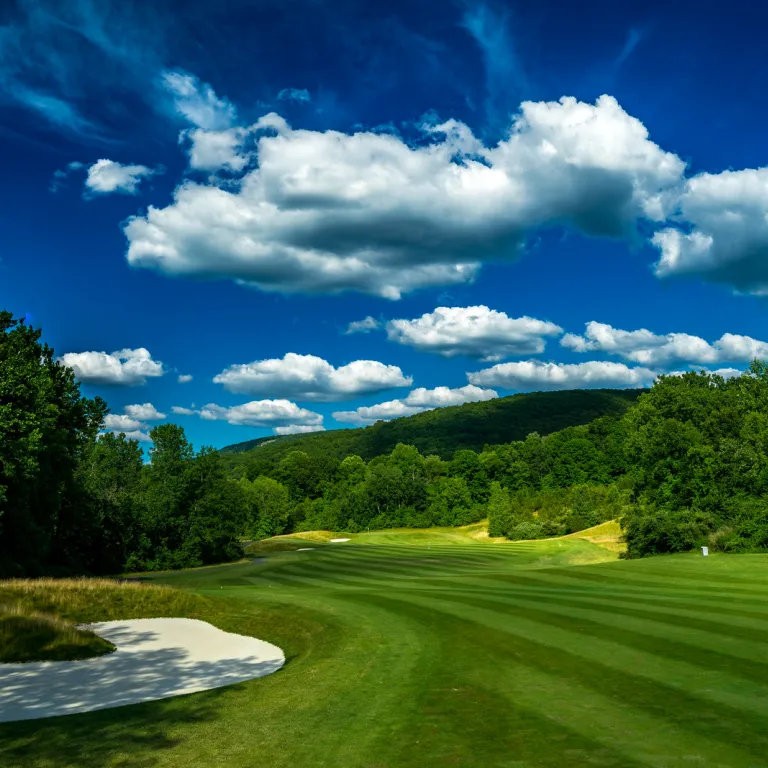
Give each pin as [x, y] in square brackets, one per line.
[705, 551]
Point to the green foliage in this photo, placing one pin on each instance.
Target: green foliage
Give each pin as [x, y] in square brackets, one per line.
[268, 507]
[45, 427]
[443, 431]
[75, 502]
[697, 446]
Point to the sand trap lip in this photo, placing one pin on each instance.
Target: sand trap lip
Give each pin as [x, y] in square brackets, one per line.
[338, 541]
[155, 659]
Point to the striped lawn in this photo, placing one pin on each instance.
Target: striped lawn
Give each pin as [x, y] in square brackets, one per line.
[461, 654]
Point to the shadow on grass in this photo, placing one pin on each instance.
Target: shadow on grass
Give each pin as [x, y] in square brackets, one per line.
[129, 737]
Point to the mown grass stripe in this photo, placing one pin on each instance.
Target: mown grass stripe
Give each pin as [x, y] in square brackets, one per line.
[612, 707]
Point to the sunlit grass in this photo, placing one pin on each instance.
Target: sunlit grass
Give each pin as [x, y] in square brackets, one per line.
[421, 652]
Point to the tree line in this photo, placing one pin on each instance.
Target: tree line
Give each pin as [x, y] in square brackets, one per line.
[685, 465]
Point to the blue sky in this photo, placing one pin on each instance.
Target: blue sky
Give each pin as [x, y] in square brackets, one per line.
[516, 197]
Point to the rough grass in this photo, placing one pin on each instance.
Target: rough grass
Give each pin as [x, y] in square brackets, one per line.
[34, 636]
[432, 655]
[607, 535]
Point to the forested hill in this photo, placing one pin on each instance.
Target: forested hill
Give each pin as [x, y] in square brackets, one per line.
[446, 430]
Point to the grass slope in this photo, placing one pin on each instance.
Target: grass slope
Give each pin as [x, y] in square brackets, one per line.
[443, 653]
[28, 635]
[446, 430]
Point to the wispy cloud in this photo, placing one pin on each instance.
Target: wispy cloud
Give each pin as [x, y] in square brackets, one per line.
[634, 37]
[506, 82]
[59, 59]
[294, 94]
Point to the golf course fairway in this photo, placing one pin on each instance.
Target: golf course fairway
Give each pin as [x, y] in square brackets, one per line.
[434, 649]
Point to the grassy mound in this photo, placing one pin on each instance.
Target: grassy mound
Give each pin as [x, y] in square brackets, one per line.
[35, 636]
[607, 535]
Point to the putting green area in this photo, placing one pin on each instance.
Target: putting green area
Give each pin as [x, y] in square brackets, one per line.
[436, 649]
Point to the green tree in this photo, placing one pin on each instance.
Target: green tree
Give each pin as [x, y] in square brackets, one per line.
[45, 426]
[269, 506]
[499, 511]
[110, 474]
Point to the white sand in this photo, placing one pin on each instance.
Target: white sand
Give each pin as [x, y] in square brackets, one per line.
[305, 549]
[155, 659]
[337, 541]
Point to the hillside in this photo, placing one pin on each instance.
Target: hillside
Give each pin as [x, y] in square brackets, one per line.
[446, 430]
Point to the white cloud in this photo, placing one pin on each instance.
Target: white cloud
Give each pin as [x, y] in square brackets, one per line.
[307, 377]
[263, 413]
[137, 434]
[392, 409]
[143, 412]
[121, 423]
[294, 94]
[197, 102]
[724, 234]
[473, 331]
[184, 378]
[417, 401]
[131, 423]
[180, 411]
[726, 373]
[216, 150]
[534, 375]
[366, 325]
[643, 346]
[128, 367]
[296, 429]
[328, 211]
[442, 396]
[107, 176]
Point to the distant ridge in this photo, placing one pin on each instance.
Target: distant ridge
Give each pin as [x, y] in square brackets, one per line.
[443, 431]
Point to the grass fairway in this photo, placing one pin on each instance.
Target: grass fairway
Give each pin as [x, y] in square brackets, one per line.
[457, 653]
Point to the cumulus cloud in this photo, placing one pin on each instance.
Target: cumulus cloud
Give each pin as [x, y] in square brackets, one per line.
[126, 367]
[726, 373]
[107, 176]
[143, 412]
[329, 211]
[473, 331]
[296, 429]
[294, 94]
[131, 423]
[366, 325]
[216, 150]
[535, 375]
[643, 346]
[307, 377]
[723, 233]
[181, 411]
[121, 423]
[417, 401]
[277, 414]
[197, 102]
[184, 378]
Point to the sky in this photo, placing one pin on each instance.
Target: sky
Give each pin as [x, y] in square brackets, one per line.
[255, 218]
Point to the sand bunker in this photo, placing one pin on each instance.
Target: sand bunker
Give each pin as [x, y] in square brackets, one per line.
[155, 659]
[338, 541]
[305, 549]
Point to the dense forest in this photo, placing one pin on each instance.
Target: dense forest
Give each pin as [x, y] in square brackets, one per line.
[686, 464]
[443, 431]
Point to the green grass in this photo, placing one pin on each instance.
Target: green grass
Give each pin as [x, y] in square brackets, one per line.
[441, 653]
[27, 635]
